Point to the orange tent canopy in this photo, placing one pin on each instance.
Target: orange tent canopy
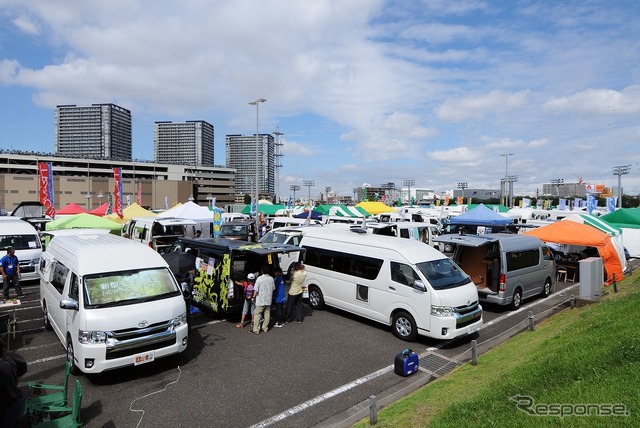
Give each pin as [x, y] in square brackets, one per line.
[572, 233]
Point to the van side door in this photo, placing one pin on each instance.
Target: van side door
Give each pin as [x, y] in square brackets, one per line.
[416, 302]
[55, 294]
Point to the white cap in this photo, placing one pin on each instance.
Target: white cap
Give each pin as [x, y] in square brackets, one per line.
[251, 276]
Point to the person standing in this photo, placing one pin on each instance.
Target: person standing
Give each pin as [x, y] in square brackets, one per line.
[248, 286]
[262, 296]
[294, 302]
[10, 269]
[280, 297]
[11, 397]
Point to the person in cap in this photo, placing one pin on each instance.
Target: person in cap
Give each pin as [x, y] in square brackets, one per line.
[10, 269]
[249, 304]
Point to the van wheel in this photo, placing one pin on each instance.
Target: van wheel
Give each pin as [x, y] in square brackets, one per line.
[516, 301]
[546, 288]
[316, 300]
[404, 326]
[70, 358]
[45, 317]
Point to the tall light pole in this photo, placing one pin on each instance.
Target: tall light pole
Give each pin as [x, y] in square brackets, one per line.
[257, 104]
[620, 171]
[557, 182]
[309, 184]
[409, 183]
[294, 187]
[278, 156]
[463, 185]
[326, 191]
[506, 177]
[511, 179]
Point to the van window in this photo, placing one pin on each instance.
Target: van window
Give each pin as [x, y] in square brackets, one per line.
[74, 289]
[443, 273]
[547, 254]
[522, 259]
[19, 242]
[349, 264]
[59, 278]
[403, 274]
[128, 287]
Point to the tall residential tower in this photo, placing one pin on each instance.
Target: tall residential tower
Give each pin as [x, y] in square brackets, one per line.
[241, 155]
[99, 131]
[183, 143]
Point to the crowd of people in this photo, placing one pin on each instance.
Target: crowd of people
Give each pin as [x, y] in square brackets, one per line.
[270, 289]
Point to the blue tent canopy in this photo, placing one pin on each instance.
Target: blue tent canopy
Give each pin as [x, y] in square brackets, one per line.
[480, 216]
[315, 215]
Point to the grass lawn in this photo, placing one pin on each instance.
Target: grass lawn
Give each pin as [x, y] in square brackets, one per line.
[579, 357]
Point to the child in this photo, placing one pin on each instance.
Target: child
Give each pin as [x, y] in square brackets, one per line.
[279, 297]
[248, 295]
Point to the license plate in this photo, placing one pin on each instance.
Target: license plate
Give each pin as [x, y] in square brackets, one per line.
[473, 329]
[143, 358]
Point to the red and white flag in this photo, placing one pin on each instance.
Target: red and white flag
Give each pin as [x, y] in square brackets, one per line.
[117, 191]
[45, 175]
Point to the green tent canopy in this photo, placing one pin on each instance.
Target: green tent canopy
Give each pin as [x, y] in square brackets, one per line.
[83, 221]
[624, 217]
[267, 209]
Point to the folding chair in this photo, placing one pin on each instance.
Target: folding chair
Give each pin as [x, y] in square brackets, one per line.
[72, 417]
[561, 274]
[35, 403]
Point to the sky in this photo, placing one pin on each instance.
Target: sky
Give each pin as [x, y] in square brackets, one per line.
[363, 91]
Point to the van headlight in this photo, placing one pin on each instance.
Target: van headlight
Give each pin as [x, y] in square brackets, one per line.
[179, 320]
[442, 311]
[88, 337]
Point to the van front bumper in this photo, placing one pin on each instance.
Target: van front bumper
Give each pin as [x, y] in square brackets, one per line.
[94, 358]
[456, 326]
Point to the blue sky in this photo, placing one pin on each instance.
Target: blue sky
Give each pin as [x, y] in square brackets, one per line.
[364, 91]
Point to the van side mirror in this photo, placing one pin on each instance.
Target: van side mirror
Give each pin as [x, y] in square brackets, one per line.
[69, 304]
[419, 285]
[186, 292]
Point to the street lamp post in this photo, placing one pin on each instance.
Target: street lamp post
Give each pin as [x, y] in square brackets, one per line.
[326, 191]
[409, 183]
[309, 184]
[294, 187]
[88, 201]
[257, 104]
[557, 182]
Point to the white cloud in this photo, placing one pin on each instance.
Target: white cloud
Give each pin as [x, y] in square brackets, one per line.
[600, 101]
[481, 105]
[26, 25]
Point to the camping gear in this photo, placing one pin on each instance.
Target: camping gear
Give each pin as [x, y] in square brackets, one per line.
[406, 363]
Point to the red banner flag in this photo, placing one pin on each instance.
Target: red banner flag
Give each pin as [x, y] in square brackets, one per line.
[45, 175]
[140, 194]
[117, 191]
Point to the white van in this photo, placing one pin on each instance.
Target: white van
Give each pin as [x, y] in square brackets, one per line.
[423, 232]
[398, 282]
[158, 233]
[287, 235]
[24, 238]
[112, 302]
[278, 222]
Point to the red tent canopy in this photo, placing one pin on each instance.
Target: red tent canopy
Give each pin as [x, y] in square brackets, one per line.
[71, 209]
[101, 210]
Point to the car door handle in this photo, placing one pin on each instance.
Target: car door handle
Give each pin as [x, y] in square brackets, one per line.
[392, 288]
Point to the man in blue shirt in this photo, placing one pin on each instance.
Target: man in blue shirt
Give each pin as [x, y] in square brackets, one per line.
[10, 269]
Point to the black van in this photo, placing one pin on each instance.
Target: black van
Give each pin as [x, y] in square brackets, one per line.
[220, 262]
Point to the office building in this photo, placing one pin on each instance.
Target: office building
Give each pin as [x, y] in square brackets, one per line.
[183, 143]
[89, 182]
[241, 156]
[99, 131]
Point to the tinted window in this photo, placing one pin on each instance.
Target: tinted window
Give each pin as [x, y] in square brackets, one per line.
[349, 264]
[19, 242]
[403, 274]
[522, 259]
[443, 273]
[127, 287]
[59, 278]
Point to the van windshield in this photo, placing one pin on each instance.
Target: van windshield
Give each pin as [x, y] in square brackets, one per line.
[233, 230]
[128, 287]
[275, 238]
[19, 242]
[443, 273]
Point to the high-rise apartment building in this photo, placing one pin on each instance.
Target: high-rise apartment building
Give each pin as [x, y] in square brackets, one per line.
[99, 131]
[241, 155]
[183, 143]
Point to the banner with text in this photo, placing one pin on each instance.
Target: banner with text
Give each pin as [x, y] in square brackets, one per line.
[45, 173]
[117, 191]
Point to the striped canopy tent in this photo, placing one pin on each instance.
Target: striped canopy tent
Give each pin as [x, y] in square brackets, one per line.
[628, 220]
[375, 207]
[267, 209]
[613, 231]
[493, 207]
[346, 211]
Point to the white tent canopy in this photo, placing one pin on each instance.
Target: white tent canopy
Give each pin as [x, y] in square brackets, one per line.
[189, 210]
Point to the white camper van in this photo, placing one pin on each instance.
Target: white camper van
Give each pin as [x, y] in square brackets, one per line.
[112, 302]
[398, 282]
[157, 233]
[23, 237]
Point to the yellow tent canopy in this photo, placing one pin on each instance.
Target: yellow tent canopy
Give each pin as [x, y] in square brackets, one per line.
[375, 208]
[132, 211]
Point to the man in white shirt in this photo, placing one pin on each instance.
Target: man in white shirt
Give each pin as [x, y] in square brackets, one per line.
[262, 296]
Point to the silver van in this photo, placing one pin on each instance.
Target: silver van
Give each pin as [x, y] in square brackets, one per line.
[506, 268]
